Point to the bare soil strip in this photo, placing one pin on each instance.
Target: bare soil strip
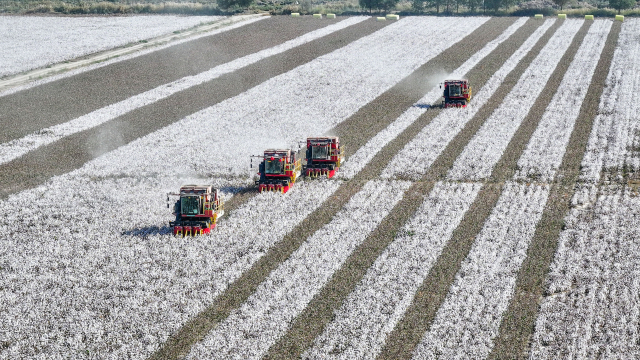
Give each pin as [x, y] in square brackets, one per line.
[410, 330]
[517, 327]
[75, 150]
[393, 101]
[321, 309]
[57, 102]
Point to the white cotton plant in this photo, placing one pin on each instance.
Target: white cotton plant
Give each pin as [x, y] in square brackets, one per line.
[18, 147]
[546, 148]
[614, 142]
[306, 101]
[591, 308]
[30, 42]
[381, 298]
[99, 274]
[469, 318]
[362, 156]
[487, 146]
[250, 330]
[418, 155]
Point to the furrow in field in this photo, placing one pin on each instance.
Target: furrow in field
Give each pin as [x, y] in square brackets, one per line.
[591, 307]
[18, 147]
[614, 144]
[57, 102]
[309, 324]
[99, 273]
[180, 343]
[416, 158]
[488, 145]
[132, 206]
[249, 331]
[433, 292]
[469, 318]
[471, 314]
[369, 313]
[518, 322]
[544, 152]
[360, 330]
[360, 158]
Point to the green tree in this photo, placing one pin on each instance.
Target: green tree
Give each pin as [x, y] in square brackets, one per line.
[473, 5]
[493, 4]
[417, 6]
[228, 4]
[622, 4]
[561, 3]
[436, 4]
[369, 4]
[388, 4]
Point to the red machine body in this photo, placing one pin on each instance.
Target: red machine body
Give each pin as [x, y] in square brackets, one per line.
[324, 156]
[278, 170]
[197, 210]
[457, 93]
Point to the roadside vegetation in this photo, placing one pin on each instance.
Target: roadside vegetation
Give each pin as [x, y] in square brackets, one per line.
[573, 8]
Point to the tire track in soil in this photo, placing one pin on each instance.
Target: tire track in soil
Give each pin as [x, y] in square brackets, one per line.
[72, 152]
[419, 316]
[518, 324]
[180, 343]
[57, 102]
[320, 310]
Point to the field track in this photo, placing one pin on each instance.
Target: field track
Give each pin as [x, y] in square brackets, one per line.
[448, 232]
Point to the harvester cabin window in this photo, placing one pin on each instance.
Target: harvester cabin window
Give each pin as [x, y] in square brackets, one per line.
[319, 152]
[274, 166]
[455, 90]
[190, 205]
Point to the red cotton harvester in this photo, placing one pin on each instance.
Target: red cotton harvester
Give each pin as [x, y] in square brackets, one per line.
[278, 170]
[197, 210]
[457, 93]
[324, 156]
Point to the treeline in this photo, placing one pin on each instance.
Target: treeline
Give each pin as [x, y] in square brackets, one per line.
[277, 7]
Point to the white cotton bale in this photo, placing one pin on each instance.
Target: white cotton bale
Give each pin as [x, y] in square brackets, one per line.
[619, 17]
[295, 14]
[331, 16]
[393, 17]
[562, 16]
[381, 18]
[588, 17]
[317, 16]
[538, 16]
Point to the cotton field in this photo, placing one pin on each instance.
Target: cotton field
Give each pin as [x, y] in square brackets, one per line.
[417, 248]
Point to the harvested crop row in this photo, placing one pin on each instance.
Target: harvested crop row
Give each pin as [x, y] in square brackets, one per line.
[360, 158]
[319, 312]
[369, 313]
[418, 155]
[30, 42]
[56, 102]
[468, 320]
[250, 330]
[592, 306]
[361, 329]
[488, 145]
[16, 148]
[269, 115]
[615, 139]
[546, 149]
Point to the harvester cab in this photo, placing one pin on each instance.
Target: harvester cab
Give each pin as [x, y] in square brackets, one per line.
[278, 170]
[197, 210]
[324, 156]
[457, 93]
